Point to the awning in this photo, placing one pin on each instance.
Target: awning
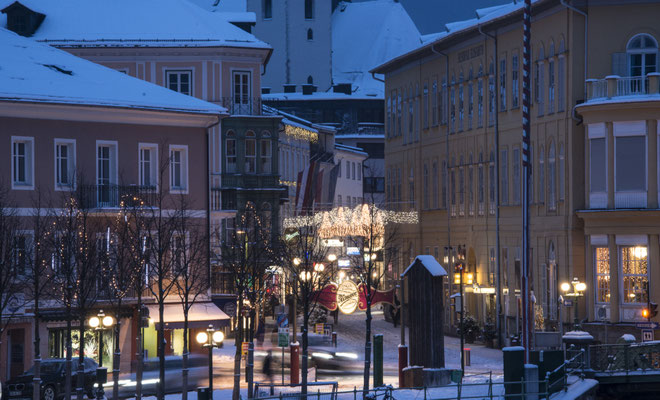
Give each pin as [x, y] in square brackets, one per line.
[200, 315]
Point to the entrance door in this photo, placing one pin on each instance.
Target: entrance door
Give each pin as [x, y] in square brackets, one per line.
[16, 352]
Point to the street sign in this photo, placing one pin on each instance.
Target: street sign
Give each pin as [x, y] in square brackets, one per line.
[568, 303]
[282, 321]
[318, 328]
[647, 335]
[647, 325]
[282, 339]
[244, 348]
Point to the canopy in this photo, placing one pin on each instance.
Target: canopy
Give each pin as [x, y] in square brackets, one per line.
[200, 315]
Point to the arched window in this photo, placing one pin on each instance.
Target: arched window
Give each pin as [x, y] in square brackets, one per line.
[230, 151]
[549, 295]
[309, 9]
[310, 34]
[310, 80]
[642, 52]
[552, 199]
[562, 171]
[250, 153]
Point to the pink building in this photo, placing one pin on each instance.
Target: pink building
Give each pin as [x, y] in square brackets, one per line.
[72, 128]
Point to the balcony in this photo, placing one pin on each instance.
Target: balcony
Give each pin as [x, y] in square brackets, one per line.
[114, 196]
[615, 86]
[241, 105]
[250, 181]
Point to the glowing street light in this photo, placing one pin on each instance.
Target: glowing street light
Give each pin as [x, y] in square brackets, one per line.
[211, 338]
[578, 291]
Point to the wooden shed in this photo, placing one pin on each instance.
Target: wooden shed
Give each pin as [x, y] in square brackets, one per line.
[423, 280]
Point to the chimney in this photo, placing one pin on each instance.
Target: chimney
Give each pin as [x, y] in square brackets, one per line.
[265, 90]
[342, 88]
[308, 89]
[289, 88]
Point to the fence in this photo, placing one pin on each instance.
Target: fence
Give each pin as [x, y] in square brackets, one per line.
[613, 358]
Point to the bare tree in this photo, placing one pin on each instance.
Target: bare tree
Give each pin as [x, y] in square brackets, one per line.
[11, 286]
[247, 252]
[191, 263]
[303, 255]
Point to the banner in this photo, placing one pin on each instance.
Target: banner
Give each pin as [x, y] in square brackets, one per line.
[348, 297]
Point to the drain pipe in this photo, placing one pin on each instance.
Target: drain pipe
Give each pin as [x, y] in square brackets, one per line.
[498, 298]
[586, 42]
[446, 107]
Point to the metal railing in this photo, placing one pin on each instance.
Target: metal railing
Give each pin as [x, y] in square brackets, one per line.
[617, 358]
[557, 379]
[114, 196]
[241, 105]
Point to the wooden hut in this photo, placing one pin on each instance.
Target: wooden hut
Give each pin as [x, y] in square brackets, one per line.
[423, 283]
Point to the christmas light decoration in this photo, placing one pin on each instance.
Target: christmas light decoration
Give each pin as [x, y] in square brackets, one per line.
[299, 133]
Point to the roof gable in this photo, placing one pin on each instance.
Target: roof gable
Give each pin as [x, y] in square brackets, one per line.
[430, 263]
[22, 19]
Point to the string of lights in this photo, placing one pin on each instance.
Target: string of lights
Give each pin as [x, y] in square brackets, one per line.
[299, 133]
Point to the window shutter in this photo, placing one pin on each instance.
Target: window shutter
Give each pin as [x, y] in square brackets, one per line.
[619, 64]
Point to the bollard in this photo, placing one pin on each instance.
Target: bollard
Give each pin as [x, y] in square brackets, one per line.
[378, 360]
[403, 363]
[295, 364]
[334, 339]
[466, 356]
[531, 382]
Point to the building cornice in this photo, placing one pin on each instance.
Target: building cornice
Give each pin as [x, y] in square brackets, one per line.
[122, 115]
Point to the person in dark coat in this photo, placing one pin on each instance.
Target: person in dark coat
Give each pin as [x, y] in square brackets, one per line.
[267, 369]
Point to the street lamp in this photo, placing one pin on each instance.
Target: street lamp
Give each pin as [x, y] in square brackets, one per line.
[211, 338]
[460, 257]
[578, 291]
[101, 322]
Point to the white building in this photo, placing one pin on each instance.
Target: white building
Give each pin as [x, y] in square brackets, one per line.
[349, 189]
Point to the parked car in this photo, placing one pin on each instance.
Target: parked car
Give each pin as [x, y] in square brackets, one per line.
[52, 380]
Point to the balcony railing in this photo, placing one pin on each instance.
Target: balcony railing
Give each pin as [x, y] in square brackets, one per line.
[617, 86]
[241, 105]
[113, 196]
[250, 181]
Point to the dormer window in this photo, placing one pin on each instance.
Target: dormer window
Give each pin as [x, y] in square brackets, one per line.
[21, 19]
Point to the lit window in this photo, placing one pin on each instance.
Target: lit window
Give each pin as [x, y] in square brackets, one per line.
[634, 265]
[602, 266]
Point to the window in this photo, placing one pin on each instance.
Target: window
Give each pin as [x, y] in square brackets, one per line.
[309, 9]
[398, 114]
[634, 265]
[470, 104]
[411, 188]
[444, 184]
[348, 169]
[453, 187]
[339, 168]
[551, 86]
[505, 177]
[561, 77]
[22, 162]
[230, 144]
[541, 176]
[411, 115]
[106, 173]
[178, 258]
[434, 180]
[389, 121]
[597, 172]
[480, 103]
[630, 163]
[491, 184]
[310, 34]
[602, 266]
[241, 92]
[251, 153]
[359, 171]
[180, 81]
[461, 108]
[442, 98]
[480, 191]
[425, 105]
[268, 9]
[461, 187]
[434, 103]
[266, 155]
[562, 171]
[642, 53]
[471, 186]
[148, 164]
[426, 186]
[541, 87]
[353, 170]
[65, 160]
[398, 183]
[21, 243]
[452, 111]
[178, 168]
[515, 163]
[514, 81]
[552, 191]
[491, 94]
[339, 200]
[531, 174]
[503, 84]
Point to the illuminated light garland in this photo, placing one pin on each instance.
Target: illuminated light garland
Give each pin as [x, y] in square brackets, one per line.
[299, 133]
[288, 183]
[362, 220]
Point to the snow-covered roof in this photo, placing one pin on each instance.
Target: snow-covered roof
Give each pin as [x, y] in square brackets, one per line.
[330, 95]
[483, 16]
[366, 34]
[129, 23]
[430, 263]
[35, 72]
[351, 149]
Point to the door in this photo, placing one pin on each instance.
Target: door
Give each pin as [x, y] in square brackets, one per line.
[241, 93]
[103, 176]
[16, 352]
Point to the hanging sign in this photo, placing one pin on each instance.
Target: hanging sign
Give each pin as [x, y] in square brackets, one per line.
[347, 297]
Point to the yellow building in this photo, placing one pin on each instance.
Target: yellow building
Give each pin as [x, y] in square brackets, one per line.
[453, 152]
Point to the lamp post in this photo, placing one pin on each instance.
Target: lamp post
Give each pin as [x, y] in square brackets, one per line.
[101, 322]
[451, 256]
[578, 291]
[211, 338]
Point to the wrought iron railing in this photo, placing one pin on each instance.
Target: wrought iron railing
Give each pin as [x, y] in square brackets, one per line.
[241, 105]
[618, 358]
[115, 196]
